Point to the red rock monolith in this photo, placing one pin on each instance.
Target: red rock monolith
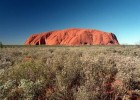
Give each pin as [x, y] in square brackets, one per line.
[73, 37]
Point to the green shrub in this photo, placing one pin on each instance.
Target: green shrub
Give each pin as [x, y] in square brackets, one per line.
[5, 88]
[31, 89]
[1, 45]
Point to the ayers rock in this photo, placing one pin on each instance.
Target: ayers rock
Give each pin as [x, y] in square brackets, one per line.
[74, 37]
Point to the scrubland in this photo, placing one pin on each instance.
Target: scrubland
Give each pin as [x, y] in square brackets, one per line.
[70, 73]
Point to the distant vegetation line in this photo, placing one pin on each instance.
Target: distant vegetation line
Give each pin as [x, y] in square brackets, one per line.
[65, 45]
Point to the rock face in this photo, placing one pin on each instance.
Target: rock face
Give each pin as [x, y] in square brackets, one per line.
[74, 37]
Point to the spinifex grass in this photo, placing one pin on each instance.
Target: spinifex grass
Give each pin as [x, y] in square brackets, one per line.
[69, 73]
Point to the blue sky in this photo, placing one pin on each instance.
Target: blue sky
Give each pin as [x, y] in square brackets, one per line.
[21, 18]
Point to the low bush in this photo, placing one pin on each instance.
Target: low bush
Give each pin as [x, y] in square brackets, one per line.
[70, 73]
[1, 45]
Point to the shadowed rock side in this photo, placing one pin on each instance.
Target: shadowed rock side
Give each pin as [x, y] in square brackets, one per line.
[74, 37]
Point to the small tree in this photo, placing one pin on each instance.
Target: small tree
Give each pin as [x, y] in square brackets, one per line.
[1, 45]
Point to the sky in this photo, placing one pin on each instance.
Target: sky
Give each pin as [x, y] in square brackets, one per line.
[21, 18]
